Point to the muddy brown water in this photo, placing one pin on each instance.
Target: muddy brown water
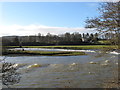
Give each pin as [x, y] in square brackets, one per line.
[86, 71]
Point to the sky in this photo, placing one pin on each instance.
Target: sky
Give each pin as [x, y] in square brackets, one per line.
[30, 18]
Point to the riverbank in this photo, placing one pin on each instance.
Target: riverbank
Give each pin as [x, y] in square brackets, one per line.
[42, 53]
[75, 47]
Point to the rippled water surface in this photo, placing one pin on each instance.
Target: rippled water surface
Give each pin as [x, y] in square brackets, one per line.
[86, 71]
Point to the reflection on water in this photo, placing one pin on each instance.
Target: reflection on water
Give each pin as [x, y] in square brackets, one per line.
[85, 71]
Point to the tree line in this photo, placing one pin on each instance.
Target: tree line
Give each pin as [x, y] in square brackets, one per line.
[75, 38]
[49, 39]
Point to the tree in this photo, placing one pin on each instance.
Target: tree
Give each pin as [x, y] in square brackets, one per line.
[91, 37]
[108, 21]
[67, 37]
[77, 38]
[16, 40]
[95, 37]
[87, 37]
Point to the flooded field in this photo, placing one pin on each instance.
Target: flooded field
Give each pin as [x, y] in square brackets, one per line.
[86, 71]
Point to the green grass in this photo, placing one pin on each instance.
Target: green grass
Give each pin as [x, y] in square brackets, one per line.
[44, 53]
[104, 41]
[71, 46]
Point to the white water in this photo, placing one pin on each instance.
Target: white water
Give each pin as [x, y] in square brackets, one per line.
[46, 49]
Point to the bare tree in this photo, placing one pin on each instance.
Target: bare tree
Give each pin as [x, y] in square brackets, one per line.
[108, 21]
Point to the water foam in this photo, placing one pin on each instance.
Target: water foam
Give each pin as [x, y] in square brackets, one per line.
[114, 53]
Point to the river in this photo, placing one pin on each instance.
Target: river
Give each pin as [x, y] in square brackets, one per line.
[85, 71]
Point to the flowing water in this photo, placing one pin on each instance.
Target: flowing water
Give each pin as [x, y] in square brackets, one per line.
[85, 71]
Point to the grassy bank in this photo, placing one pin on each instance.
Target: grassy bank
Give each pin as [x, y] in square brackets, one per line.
[72, 47]
[57, 53]
[43, 53]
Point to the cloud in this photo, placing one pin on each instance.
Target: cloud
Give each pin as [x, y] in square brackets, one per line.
[35, 29]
